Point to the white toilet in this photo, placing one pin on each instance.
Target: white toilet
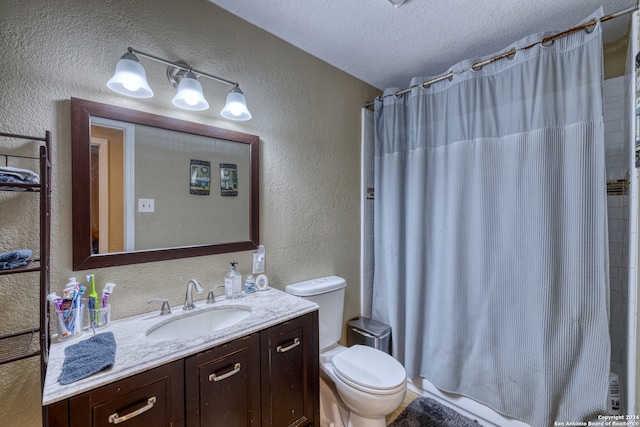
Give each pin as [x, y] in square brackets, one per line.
[371, 383]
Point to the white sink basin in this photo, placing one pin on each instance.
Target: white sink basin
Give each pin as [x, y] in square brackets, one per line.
[198, 323]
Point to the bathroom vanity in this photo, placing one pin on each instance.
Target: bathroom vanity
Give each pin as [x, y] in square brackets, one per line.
[261, 371]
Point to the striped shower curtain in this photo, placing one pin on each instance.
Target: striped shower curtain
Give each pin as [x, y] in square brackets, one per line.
[490, 231]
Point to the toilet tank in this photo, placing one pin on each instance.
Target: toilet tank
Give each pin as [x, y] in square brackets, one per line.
[328, 293]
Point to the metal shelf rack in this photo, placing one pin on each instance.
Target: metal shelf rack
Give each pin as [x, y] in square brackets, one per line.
[33, 342]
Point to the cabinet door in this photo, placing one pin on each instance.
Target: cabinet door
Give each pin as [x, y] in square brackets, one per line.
[290, 376]
[223, 385]
[153, 398]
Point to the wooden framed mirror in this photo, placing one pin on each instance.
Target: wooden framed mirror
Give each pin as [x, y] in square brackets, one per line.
[151, 188]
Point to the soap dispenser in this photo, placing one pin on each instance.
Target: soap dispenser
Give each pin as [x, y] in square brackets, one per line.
[233, 280]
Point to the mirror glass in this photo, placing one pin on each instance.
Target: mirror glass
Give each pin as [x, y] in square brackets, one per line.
[149, 188]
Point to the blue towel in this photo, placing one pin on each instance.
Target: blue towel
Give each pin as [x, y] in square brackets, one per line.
[88, 357]
[13, 259]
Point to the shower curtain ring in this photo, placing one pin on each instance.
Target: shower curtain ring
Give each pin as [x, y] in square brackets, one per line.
[547, 41]
[591, 26]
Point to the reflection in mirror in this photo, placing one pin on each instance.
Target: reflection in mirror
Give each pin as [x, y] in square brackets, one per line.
[147, 188]
[176, 182]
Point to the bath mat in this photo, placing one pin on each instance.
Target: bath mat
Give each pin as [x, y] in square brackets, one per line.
[426, 412]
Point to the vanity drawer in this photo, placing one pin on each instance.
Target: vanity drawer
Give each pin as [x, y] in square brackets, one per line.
[153, 398]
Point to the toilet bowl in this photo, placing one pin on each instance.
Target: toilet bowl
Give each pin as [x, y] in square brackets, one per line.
[369, 382]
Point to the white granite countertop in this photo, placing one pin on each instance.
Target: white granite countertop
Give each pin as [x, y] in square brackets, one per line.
[137, 353]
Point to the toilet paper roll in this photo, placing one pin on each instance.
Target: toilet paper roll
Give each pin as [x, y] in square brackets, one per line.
[262, 282]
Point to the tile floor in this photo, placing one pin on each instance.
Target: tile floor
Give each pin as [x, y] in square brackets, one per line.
[409, 397]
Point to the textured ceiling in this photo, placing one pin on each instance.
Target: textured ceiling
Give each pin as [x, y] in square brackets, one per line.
[386, 46]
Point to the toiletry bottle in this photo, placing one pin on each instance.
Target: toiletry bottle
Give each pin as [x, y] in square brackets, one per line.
[233, 279]
[613, 395]
[249, 285]
[228, 286]
[237, 280]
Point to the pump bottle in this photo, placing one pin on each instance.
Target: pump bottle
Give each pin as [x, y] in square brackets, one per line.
[233, 280]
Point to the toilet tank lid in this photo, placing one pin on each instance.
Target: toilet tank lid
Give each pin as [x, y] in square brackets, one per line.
[316, 286]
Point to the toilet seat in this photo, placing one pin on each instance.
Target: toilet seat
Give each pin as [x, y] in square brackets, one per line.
[369, 370]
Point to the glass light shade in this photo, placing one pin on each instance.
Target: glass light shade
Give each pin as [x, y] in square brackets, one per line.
[236, 106]
[189, 94]
[130, 78]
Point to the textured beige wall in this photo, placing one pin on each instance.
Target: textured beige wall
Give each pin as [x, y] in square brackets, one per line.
[306, 113]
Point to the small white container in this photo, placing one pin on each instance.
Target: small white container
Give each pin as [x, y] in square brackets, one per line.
[613, 396]
[249, 285]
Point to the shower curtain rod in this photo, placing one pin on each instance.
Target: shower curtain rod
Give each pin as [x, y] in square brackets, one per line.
[546, 41]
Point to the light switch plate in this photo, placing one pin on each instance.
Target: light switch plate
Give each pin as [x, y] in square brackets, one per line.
[146, 205]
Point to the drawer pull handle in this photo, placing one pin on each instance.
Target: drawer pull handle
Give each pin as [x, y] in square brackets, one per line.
[235, 370]
[281, 349]
[116, 419]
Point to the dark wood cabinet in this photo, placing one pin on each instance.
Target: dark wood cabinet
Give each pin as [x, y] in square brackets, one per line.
[223, 385]
[290, 373]
[152, 398]
[269, 378]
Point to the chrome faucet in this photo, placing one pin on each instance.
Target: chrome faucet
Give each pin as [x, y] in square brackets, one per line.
[166, 309]
[188, 299]
[211, 298]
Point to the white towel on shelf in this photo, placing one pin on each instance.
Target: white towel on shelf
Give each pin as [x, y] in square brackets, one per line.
[18, 175]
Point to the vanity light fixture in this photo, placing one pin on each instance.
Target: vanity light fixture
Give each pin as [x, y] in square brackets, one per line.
[130, 79]
[189, 94]
[235, 108]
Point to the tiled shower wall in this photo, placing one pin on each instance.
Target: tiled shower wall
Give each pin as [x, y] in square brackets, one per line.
[616, 125]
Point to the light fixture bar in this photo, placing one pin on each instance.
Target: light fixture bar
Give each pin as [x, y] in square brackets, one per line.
[130, 79]
[182, 67]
